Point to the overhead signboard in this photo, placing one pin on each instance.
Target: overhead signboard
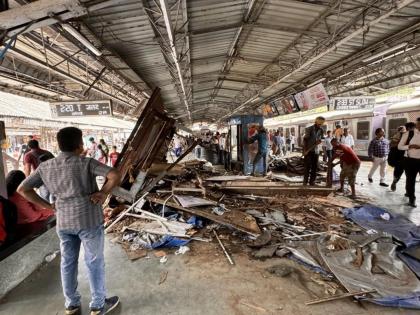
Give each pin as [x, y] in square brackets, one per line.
[81, 108]
[313, 97]
[352, 103]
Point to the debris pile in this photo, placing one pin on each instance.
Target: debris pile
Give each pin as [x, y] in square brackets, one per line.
[292, 165]
[351, 250]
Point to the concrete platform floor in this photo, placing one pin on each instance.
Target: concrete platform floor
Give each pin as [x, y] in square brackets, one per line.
[201, 281]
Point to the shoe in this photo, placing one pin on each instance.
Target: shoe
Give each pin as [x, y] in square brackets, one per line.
[110, 304]
[394, 186]
[383, 185]
[73, 310]
[412, 203]
[370, 180]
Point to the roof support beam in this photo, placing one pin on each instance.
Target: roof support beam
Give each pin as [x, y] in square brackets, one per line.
[266, 26]
[43, 64]
[176, 58]
[43, 13]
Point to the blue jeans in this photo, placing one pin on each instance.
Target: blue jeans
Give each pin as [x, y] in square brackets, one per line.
[93, 245]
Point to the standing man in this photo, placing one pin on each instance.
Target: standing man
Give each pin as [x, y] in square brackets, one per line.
[338, 132]
[412, 162]
[292, 142]
[113, 156]
[31, 161]
[24, 149]
[92, 148]
[328, 145]
[378, 151]
[227, 151]
[282, 144]
[311, 140]
[34, 157]
[71, 178]
[347, 138]
[262, 138]
[104, 146]
[350, 165]
[396, 157]
[222, 145]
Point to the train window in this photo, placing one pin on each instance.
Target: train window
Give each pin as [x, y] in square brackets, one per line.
[292, 130]
[363, 128]
[393, 125]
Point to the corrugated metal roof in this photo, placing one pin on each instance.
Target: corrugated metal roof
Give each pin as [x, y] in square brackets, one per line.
[238, 48]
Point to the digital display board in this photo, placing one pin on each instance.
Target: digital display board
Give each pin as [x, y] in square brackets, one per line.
[81, 108]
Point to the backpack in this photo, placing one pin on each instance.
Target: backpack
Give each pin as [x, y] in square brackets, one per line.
[42, 157]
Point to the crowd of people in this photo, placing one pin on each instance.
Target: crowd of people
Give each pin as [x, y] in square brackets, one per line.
[402, 153]
[100, 151]
[280, 144]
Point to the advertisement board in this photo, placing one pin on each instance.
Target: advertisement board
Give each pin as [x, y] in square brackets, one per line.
[269, 110]
[312, 97]
[289, 105]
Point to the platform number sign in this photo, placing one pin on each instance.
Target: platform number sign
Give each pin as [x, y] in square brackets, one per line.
[80, 109]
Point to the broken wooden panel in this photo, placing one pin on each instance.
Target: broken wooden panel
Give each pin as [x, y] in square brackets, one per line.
[272, 188]
[148, 142]
[233, 218]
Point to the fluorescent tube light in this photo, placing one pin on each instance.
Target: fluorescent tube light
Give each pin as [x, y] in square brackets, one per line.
[71, 30]
[381, 53]
[316, 82]
[377, 88]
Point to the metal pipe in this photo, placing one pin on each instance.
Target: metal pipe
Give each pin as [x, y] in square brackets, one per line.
[174, 53]
[223, 248]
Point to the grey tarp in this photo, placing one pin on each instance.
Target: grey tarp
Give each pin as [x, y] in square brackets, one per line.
[381, 270]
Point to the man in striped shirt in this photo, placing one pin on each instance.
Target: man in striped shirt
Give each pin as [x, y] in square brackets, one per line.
[378, 151]
[71, 178]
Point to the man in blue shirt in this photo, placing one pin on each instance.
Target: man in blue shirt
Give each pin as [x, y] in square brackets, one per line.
[378, 151]
[261, 137]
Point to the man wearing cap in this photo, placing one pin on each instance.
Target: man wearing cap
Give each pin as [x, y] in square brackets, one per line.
[311, 140]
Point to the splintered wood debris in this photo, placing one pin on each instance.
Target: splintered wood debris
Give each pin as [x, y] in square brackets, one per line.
[181, 203]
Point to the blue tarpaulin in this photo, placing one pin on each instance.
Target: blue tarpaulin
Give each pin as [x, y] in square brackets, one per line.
[169, 242]
[403, 230]
[369, 217]
[411, 301]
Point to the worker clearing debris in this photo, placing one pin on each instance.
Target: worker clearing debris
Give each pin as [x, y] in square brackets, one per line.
[350, 165]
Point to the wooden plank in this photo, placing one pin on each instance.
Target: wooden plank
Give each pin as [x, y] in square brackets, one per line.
[269, 188]
[234, 218]
[338, 297]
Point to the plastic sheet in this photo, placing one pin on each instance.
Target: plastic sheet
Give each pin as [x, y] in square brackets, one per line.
[380, 270]
[411, 262]
[369, 217]
[169, 242]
